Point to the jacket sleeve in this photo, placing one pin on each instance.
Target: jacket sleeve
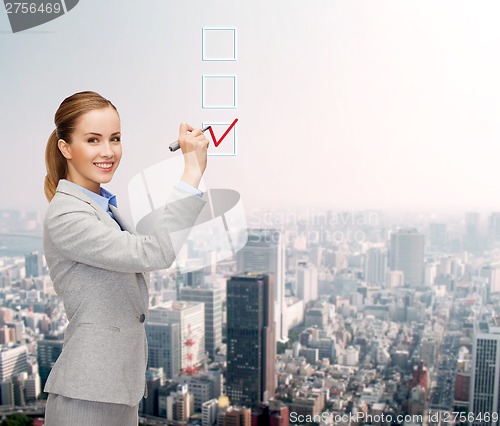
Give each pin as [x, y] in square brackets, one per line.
[76, 232]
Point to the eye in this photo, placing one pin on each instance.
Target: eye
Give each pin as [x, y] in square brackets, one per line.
[92, 140]
[116, 139]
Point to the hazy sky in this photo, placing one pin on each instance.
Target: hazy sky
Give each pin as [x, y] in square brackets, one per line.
[341, 104]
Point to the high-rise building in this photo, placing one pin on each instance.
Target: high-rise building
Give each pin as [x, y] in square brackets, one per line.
[212, 299]
[48, 350]
[494, 227]
[407, 255]
[485, 372]
[491, 271]
[33, 264]
[164, 346]
[376, 266]
[7, 393]
[472, 237]
[265, 252]
[251, 348]
[307, 282]
[13, 360]
[437, 235]
[191, 319]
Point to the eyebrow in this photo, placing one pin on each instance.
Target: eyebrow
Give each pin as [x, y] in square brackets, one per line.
[98, 134]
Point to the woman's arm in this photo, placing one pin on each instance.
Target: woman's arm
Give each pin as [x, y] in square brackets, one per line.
[75, 231]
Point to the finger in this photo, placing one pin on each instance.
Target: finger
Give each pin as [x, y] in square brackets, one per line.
[184, 128]
[196, 132]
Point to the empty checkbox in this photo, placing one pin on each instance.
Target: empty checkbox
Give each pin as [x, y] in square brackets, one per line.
[219, 44]
[218, 91]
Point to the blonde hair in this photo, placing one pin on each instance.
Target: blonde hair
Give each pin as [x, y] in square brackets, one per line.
[65, 120]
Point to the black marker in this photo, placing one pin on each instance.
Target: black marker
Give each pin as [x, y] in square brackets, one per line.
[174, 146]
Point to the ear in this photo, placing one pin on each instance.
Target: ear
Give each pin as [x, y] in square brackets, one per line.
[64, 148]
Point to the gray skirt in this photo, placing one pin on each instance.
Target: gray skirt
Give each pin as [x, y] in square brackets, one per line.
[63, 411]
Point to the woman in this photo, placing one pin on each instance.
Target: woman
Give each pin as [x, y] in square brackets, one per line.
[99, 265]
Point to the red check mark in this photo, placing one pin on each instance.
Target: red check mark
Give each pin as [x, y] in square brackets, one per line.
[217, 143]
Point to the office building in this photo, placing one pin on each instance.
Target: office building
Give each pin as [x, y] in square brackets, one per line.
[307, 282]
[438, 236]
[13, 360]
[376, 266]
[265, 253]
[407, 255]
[209, 412]
[234, 416]
[180, 404]
[190, 317]
[494, 228]
[251, 348]
[48, 350]
[485, 372]
[472, 236]
[33, 264]
[212, 299]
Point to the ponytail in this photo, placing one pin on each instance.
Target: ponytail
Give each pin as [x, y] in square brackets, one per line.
[55, 164]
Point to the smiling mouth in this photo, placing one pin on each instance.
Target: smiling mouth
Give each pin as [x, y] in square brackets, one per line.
[104, 166]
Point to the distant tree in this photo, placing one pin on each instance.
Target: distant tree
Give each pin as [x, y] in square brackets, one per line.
[17, 419]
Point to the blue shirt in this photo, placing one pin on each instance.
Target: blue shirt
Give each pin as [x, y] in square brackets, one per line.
[105, 198]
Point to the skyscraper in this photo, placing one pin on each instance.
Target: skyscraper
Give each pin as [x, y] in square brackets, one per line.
[265, 253]
[48, 350]
[472, 237]
[376, 266]
[485, 374]
[251, 348]
[494, 228]
[212, 299]
[437, 235]
[307, 282]
[407, 255]
[33, 264]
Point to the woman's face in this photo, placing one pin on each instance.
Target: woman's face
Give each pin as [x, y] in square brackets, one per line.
[95, 149]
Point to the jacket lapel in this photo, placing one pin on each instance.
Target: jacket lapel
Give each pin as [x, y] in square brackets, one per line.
[121, 220]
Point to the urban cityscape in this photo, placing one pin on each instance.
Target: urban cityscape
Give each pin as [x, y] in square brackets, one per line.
[323, 318]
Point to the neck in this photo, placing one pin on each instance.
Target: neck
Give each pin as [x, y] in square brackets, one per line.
[87, 184]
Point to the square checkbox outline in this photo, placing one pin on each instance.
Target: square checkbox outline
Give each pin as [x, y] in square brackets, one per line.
[222, 154]
[203, 105]
[203, 58]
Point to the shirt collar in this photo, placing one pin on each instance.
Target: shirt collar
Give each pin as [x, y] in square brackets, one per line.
[103, 199]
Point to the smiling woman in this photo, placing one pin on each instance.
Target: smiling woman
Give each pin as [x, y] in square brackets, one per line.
[98, 263]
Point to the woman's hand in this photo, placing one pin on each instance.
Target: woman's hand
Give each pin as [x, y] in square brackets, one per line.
[194, 146]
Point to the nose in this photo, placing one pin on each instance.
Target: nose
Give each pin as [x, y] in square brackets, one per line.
[107, 150]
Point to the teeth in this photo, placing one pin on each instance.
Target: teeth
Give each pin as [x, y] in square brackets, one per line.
[104, 165]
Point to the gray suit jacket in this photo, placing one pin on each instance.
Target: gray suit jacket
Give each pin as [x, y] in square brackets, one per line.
[100, 273]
